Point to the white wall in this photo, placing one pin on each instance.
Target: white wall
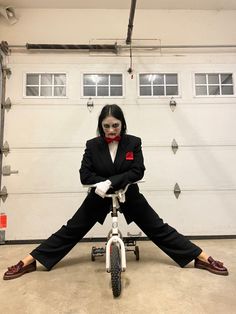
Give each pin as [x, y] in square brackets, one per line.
[81, 26]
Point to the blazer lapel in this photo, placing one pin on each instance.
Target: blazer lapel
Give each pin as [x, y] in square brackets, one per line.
[106, 157]
[120, 154]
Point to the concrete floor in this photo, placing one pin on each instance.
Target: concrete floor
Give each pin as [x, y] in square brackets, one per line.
[154, 284]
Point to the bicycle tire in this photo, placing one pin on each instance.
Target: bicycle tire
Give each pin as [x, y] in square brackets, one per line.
[115, 270]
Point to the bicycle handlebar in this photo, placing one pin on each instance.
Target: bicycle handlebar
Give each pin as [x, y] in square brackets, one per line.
[117, 193]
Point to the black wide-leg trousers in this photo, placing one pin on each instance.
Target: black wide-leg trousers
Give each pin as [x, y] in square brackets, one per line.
[94, 208]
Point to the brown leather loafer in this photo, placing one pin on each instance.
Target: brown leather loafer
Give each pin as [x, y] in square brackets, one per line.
[213, 266]
[18, 270]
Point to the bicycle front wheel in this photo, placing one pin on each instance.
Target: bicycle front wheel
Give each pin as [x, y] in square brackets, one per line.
[115, 270]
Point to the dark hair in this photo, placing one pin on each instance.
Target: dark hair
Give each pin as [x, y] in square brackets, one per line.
[114, 111]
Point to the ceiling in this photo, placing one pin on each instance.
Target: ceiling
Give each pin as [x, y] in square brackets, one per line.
[124, 4]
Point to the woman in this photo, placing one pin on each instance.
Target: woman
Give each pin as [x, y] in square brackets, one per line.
[112, 160]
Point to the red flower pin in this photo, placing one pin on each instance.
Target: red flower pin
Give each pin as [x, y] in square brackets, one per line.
[129, 156]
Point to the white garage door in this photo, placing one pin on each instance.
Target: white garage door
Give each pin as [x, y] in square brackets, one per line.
[47, 136]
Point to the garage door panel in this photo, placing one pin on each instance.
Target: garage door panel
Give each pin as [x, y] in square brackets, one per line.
[57, 170]
[49, 126]
[66, 125]
[192, 168]
[190, 125]
[47, 170]
[38, 216]
[196, 212]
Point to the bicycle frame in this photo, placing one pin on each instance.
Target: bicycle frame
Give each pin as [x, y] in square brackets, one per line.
[115, 236]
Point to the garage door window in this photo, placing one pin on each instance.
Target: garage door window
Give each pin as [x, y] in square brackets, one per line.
[158, 84]
[213, 84]
[45, 85]
[103, 85]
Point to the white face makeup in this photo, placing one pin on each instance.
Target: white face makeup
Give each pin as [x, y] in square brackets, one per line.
[111, 127]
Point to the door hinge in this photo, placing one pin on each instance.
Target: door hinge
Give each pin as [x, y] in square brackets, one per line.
[5, 48]
[172, 104]
[177, 190]
[6, 72]
[6, 171]
[5, 149]
[7, 104]
[174, 146]
[3, 194]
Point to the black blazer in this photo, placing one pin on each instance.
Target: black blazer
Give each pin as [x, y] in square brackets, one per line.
[128, 167]
[97, 164]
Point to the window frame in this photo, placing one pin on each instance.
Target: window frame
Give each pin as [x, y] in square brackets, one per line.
[102, 73]
[40, 73]
[159, 96]
[207, 85]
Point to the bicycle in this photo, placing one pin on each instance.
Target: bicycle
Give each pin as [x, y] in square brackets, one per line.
[116, 247]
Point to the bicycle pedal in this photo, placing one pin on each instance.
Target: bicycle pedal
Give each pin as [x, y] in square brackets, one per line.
[99, 250]
[96, 252]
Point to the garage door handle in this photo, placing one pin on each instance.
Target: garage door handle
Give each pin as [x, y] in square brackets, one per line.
[6, 171]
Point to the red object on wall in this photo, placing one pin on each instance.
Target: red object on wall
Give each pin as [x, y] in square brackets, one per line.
[3, 220]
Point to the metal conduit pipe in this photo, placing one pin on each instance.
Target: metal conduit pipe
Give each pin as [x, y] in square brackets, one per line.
[131, 20]
[110, 48]
[76, 47]
[179, 46]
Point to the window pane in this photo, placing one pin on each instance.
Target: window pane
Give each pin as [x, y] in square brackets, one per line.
[59, 79]
[214, 90]
[60, 91]
[200, 78]
[116, 79]
[90, 91]
[103, 91]
[226, 79]
[116, 91]
[46, 79]
[144, 79]
[171, 90]
[32, 79]
[46, 91]
[158, 91]
[102, 79]
[201, 90]
[158, 79]
[227, 90]
[213, 79]
[145, 91]
[90, 79]
[32, 91]
[171, 79]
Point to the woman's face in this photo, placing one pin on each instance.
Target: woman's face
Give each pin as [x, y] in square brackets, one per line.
[111, 127]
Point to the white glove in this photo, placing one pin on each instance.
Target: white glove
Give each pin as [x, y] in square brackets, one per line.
[121, 196]
[102, 188]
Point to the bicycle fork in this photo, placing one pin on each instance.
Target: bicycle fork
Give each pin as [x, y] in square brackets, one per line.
[115, 238]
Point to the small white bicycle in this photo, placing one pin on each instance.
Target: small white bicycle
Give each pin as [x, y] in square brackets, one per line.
[116, 246]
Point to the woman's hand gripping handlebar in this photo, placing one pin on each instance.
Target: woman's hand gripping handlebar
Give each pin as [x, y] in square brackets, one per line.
[120, 194]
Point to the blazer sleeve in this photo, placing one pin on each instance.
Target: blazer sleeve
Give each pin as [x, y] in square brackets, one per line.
[87, 173]
[135, 172]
